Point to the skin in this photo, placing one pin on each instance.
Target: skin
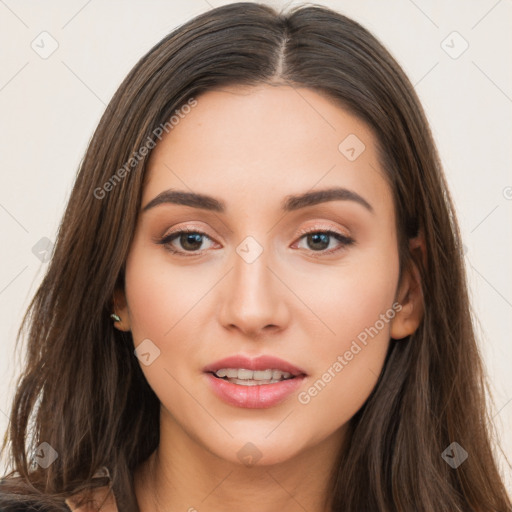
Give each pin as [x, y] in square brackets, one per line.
[252, 147]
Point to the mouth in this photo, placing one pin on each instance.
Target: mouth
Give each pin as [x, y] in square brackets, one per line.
[264, 369]
[254, 383]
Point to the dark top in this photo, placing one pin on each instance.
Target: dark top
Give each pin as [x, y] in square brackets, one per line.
[22, 508]
[18, 509]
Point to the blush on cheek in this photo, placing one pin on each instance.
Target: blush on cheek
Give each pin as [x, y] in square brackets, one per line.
[350, 307]
[159, 299]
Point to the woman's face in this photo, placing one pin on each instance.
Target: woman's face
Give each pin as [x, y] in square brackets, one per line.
[247, 281]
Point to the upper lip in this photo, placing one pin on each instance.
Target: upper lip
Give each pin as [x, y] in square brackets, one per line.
[262, 362]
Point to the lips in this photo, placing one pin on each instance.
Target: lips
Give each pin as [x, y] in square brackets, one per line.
[252, 394]
[263, 362]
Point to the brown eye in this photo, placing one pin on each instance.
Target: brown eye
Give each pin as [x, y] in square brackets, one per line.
[190, 241]
[320, 240]
[184, 241]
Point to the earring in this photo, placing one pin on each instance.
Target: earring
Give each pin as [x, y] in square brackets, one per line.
[103, 472]
[115, 317]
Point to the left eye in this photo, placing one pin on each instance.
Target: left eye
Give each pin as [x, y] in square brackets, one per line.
[191, 241]
[319, 241]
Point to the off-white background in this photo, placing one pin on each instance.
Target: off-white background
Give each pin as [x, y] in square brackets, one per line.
[50, 107]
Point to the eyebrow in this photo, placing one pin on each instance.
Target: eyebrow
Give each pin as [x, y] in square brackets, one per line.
[290, 202]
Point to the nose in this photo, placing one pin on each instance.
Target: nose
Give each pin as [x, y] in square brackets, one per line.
[253, 298]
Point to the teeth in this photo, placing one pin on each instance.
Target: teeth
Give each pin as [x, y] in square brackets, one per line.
[244, 382]
[245, 374]
[277, 374]
[241, 374]
[261, 374]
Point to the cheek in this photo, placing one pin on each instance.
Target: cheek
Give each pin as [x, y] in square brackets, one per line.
[162, 297]
[357, 306]
[166, 305]
[162, 304]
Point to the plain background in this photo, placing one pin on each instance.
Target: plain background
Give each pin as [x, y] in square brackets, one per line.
[51, 106]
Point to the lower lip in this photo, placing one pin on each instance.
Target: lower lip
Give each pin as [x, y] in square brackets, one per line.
[260, 396]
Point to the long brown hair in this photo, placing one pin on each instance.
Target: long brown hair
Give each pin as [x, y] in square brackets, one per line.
[81, 376]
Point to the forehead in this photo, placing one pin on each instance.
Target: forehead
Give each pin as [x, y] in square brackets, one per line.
[265, 142]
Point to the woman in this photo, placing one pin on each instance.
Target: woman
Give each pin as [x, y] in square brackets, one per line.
[257, 296]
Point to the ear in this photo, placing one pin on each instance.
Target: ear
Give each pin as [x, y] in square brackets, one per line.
[409, 294]
[120, 308]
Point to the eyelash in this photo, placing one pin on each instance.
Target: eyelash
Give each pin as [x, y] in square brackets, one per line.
[343, 239]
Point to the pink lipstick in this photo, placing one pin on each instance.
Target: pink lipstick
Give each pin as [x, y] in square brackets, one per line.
[254, 383]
